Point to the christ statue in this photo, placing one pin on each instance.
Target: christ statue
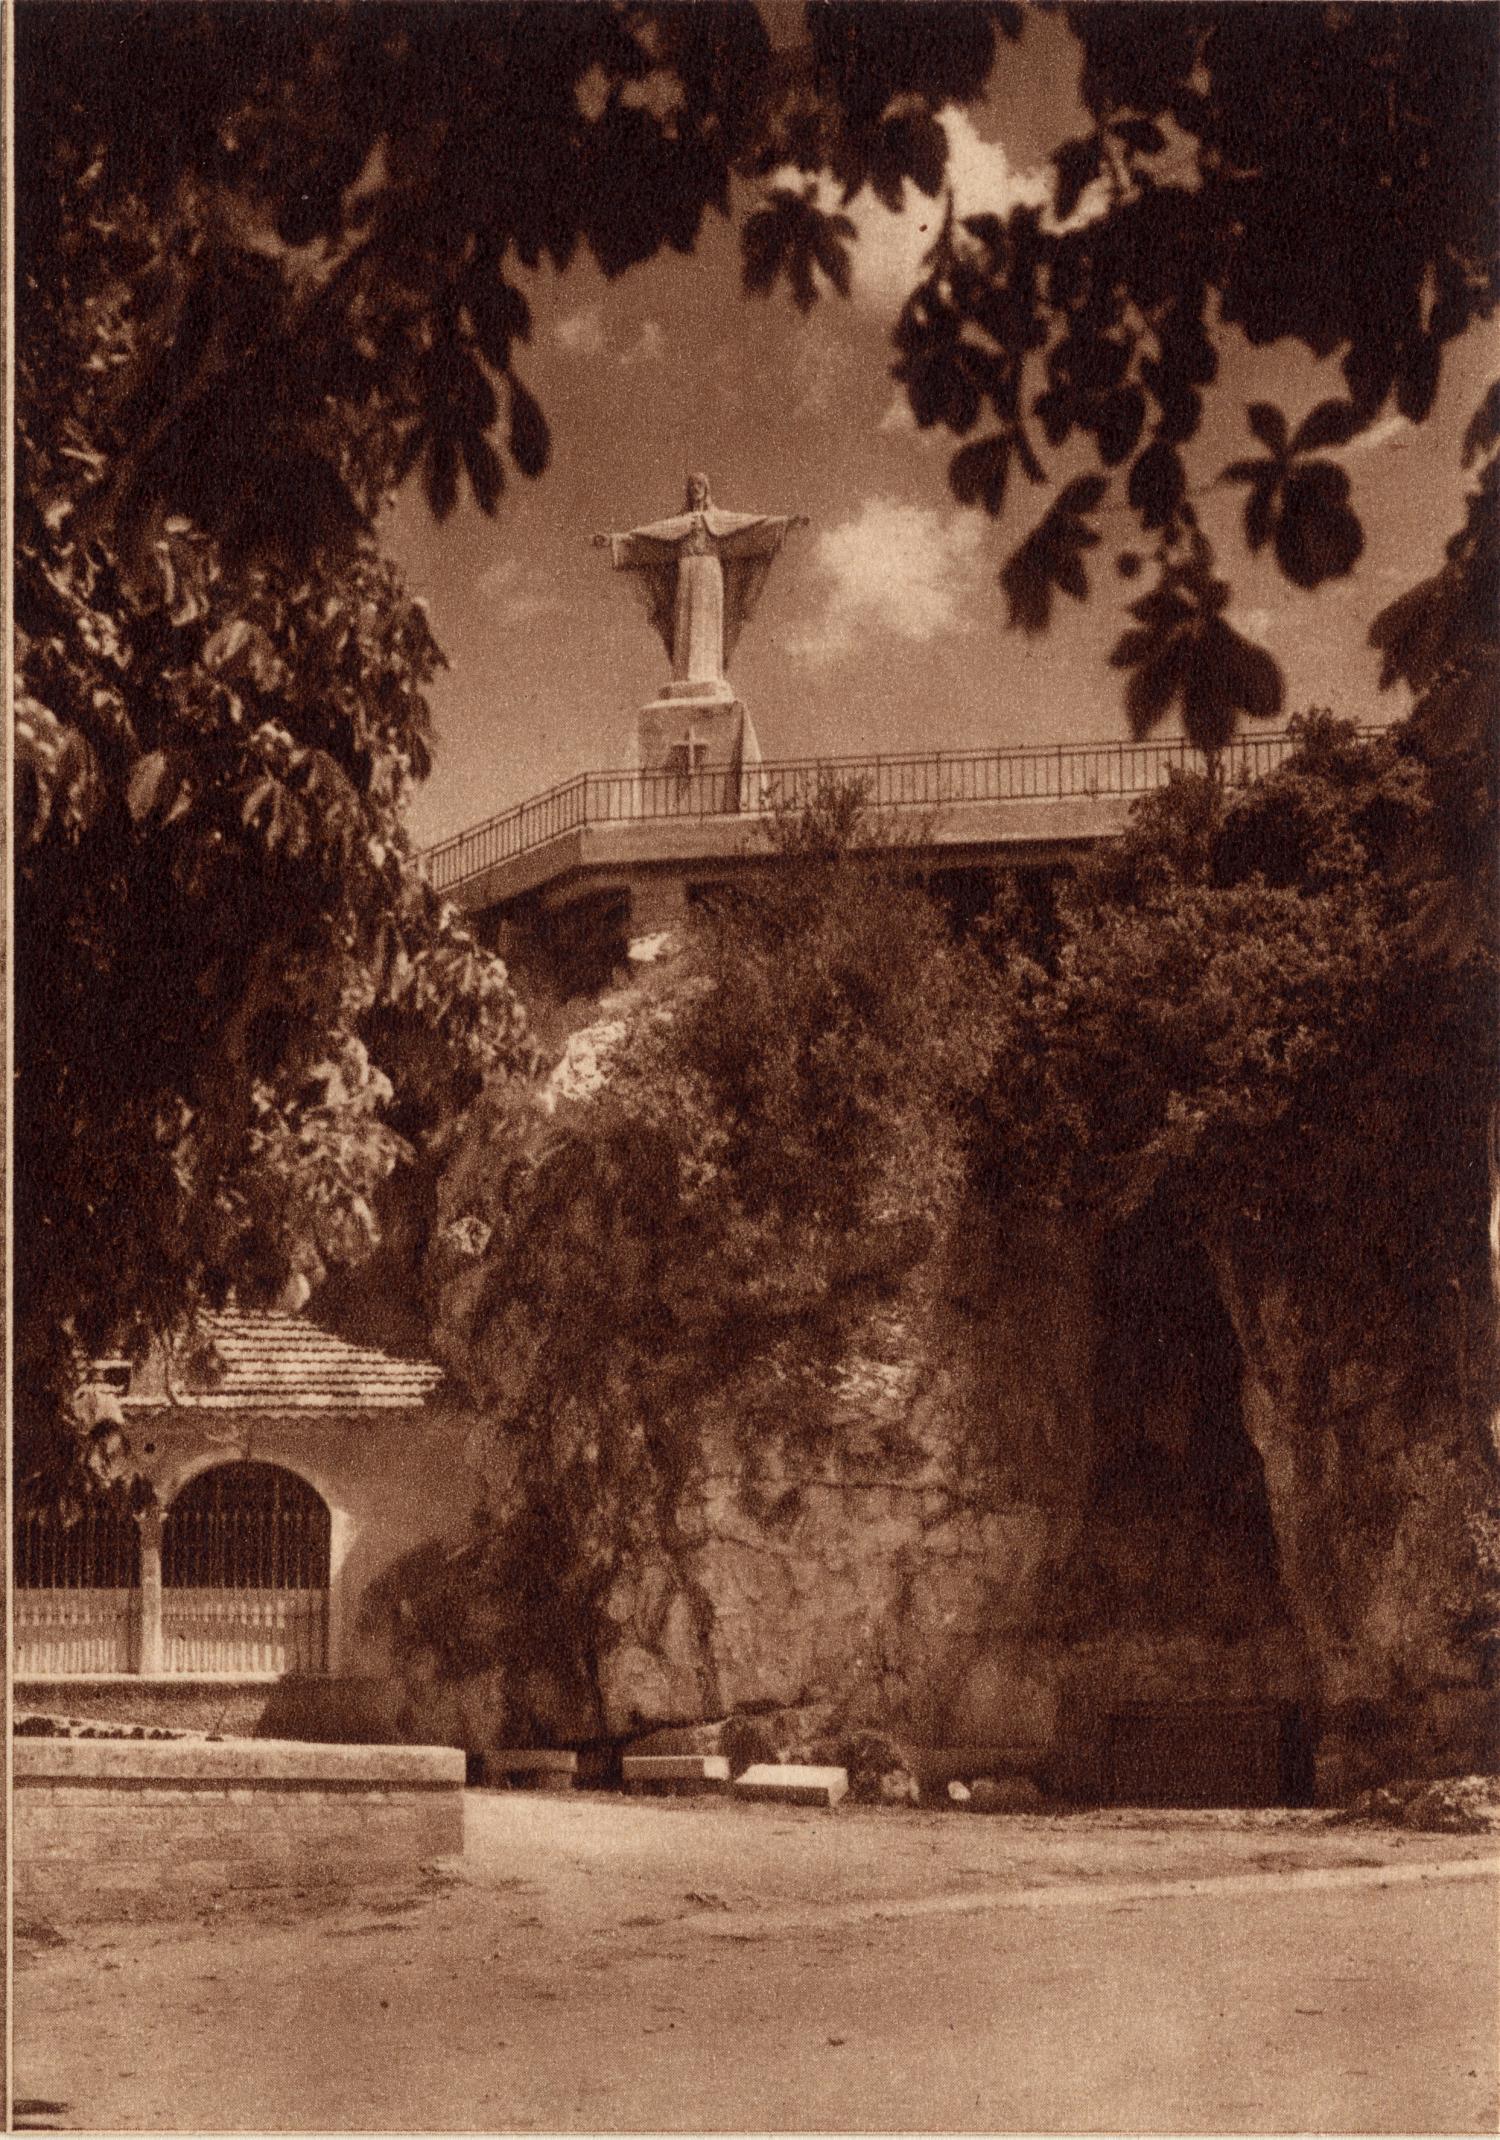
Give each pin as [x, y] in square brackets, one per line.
[702, 573]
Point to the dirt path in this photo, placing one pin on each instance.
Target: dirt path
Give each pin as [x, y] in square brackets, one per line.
[601, 1965]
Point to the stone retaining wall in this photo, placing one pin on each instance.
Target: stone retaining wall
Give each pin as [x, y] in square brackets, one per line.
[342, 1710]
[105, 1825]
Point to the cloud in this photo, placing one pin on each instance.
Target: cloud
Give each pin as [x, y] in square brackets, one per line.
[906, 570]
[649, 346]
[888, 257]
[582, 333]
[818, 372]
[1386, 433]
[513, 596]
[898, 422]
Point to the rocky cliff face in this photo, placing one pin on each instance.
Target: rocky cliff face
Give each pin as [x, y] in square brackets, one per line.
[1065, 1482]
[1038, 1500]
[1381, 1485]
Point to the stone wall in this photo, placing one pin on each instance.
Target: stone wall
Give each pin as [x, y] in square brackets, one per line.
[105, 1825]
[346, 1709]
[1380, 1472]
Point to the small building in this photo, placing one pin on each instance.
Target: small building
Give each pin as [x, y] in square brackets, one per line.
[292, 1472]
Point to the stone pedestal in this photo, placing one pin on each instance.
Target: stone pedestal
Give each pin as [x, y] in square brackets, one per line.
[684, 735]
[696, 750]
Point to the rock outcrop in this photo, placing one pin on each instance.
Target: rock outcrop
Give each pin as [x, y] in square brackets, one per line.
[1068, 1487]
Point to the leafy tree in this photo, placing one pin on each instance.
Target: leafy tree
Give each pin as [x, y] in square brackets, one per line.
[270, 260]
[1243, 1019]
[1320, 173]
[1442, 638]
[321, 214]
[217, 910]
[778, 1132]
[776, 1142]
[322, 218]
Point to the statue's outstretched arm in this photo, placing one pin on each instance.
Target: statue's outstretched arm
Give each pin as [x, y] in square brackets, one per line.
[757, 534]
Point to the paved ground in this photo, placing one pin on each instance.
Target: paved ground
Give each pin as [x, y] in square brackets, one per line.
[600, 1964]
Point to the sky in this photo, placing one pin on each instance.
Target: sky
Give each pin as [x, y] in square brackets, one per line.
[882, 627]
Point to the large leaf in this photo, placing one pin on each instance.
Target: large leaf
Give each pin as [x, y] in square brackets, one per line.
[1331, 423]
[789, 236]
[440, 472]
[1260, 515]
[147, 784]
[485, 473]
[1078, 164]
[1157, 484]
[1417, 380]
[1252, 680]
[530, 439]
[1117, 424]
[1318, 536]
[977, 473]
[500, 315]
[1269, 426]
[1052, 557]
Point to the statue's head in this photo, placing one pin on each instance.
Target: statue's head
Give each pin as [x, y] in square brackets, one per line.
[698, 498]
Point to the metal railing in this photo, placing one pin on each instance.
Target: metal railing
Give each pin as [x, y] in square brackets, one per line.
[209, 1630]
[914, 780]
[71, 1632]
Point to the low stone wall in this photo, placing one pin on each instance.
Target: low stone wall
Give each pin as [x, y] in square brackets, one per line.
[105, 1825]
[343, 1710]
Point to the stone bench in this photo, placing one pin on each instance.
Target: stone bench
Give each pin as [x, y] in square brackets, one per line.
[674, 1772]
[790, 1783]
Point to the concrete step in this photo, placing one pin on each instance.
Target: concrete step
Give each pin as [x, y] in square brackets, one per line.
[791, 1783]
[674, 1772]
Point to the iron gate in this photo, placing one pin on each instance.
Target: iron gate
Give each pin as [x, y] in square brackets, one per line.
[244, 1567]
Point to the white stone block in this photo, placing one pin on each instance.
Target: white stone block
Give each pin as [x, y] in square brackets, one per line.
[791, 1783]
[708, 1772]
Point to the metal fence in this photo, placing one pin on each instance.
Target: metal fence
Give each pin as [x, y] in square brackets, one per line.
[918, 780]
[77, 1591]
[230, 1631]
[245, 1559]
[245, 1570]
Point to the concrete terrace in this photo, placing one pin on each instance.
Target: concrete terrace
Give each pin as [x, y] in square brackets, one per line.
[627, 830]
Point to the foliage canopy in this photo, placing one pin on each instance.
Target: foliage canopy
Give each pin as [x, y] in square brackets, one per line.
[225, 949]
[270, 260]
[1241, 1016]
[1324, 173]
[324, 216]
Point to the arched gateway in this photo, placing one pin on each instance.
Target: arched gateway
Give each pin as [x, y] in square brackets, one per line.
[284, 1469]
[245, 1573]
[232, 1580]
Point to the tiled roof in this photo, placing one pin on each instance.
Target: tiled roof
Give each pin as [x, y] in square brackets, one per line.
[260, 1360]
